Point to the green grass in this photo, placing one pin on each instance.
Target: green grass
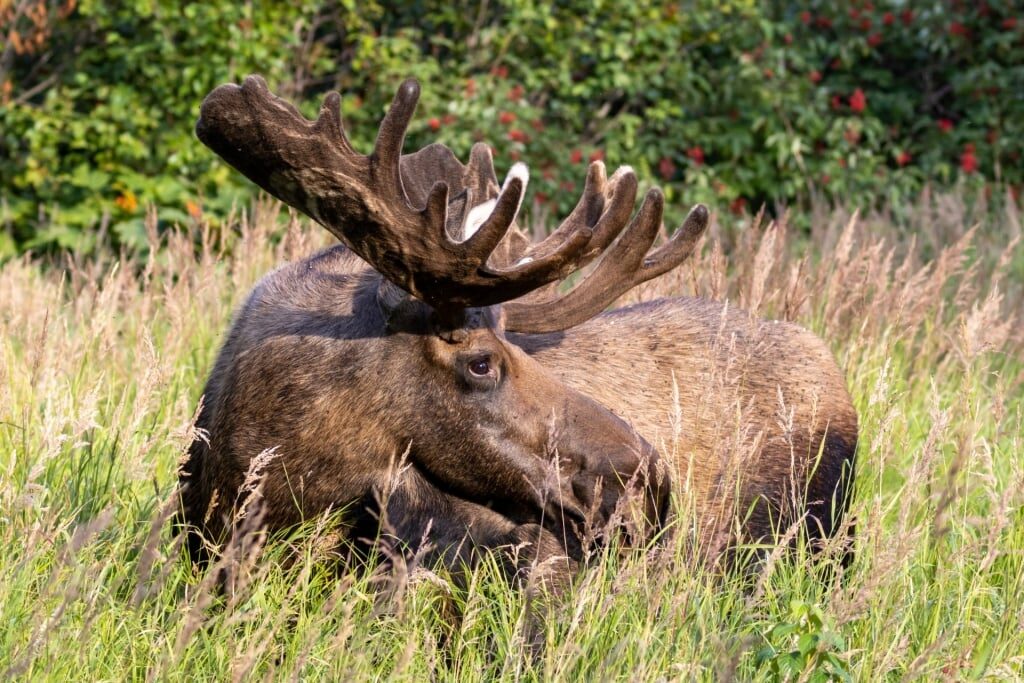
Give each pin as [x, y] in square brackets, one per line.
[102, 363]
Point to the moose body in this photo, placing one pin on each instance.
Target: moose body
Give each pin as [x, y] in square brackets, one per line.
[753, 415]
[426, 378]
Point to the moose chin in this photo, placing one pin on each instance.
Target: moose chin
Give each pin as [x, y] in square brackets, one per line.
[428, 374]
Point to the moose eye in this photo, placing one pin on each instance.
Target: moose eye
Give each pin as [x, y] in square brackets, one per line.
[480, 367]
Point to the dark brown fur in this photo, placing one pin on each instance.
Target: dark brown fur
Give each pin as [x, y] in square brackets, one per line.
[313, 368]
[310, 368]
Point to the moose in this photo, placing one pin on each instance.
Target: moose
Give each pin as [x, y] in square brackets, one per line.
[430, 375]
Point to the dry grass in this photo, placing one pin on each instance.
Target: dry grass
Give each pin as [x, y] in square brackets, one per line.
[102, 361]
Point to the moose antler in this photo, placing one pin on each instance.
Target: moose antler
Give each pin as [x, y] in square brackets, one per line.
[364, 201]
[446, 252]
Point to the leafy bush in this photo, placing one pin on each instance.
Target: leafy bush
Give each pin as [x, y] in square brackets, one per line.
[736, 103]
[804, 647]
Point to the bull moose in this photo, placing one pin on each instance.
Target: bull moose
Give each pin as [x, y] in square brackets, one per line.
[432, 356]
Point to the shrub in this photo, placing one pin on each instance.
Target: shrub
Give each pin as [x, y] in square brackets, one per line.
[736, 103]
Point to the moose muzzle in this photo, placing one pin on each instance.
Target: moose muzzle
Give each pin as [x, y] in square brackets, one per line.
[617, 480]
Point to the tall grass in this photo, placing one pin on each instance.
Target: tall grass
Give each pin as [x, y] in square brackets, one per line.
[102, 361]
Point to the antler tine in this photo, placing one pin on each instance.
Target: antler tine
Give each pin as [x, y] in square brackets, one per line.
[612, 206]
[622, 267]
[676, 250]
[329, 121]
[480, 169]
[387, 150]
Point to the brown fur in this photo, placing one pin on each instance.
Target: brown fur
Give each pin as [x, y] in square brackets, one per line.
[741, 405]
[349, 387]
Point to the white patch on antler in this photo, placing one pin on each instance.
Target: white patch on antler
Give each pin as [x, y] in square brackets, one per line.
[477, 215]
[520, 172]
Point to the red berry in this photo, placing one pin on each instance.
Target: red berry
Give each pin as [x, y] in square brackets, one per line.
[576, 156]
[858, 101]
[968, 162]
[958, 29]
[696, 154]
[815, 76]
[506, 117]
[434, 123]
[666, 168]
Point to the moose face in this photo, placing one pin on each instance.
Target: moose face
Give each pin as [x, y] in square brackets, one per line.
[492, 425]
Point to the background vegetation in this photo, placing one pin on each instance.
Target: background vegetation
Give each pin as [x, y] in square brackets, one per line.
[731, 102]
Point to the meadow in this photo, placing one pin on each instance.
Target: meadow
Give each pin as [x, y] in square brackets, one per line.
[102, 363]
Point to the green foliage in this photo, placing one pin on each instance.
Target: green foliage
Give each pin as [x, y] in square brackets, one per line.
[805, 647]
[734, 103]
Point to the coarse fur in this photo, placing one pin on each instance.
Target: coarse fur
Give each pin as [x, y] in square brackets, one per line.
[336, 410]
[755, 413]
[750, 410]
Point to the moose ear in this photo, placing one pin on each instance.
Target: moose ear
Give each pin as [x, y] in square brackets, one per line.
[402, 312]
